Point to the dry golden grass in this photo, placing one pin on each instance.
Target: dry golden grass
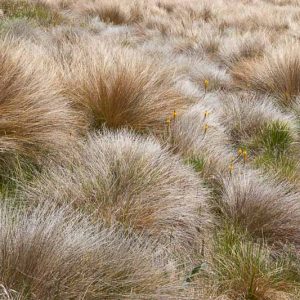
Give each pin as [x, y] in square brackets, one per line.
[120, 88]
[35, 120]
[277, 73]
[107, 11]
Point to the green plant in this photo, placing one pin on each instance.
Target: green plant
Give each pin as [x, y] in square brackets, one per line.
[38, 12]
[276, 138]
[20, 172]
[197, 163]
[284, 166]
[275, 150]
[244, 269]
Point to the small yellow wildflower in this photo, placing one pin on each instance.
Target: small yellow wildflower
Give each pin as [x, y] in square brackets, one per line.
[206, 113]
[245, 155]
[206, 83]
[205, 128]
[174, 114]
[240, 151]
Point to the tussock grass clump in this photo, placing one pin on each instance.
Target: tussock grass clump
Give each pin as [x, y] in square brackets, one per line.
[276, 138]
[198, 135]
[48, 253]
[242, 269]
[107, 11]
[277, 73]
[247, 46]
[35, 120]
[277, 150]
[265, 208]
[123, 178]
[245, 116]
[123, 89]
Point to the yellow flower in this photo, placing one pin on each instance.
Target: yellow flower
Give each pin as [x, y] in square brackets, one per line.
[240, 151]
[174, 114]
[205, 128]
[245, 155]
[206, 83]
[206, 113]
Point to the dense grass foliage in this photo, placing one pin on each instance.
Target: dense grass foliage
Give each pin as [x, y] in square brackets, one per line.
[149, 149]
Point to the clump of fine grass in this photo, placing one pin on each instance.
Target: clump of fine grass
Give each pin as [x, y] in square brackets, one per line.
[38, 12]
[123, 178]
[21, 172]
[246, 116]
[36, 121]
[242, 269]
[108, 11]
[276, 73]
[276, 138]
[120, 88]
[247, 46]
[265, 208]
[198, 134]
[49, 253]
[276, 148]
[197, 163]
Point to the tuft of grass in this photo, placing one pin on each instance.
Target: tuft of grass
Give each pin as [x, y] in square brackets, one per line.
[243, 269]
[275, 145]
[121, 88]
[20, 172]
[55, 253]
[197, 133]
[38, 12]
[130, 180]
[267, 209]
[246, 116]
[197, 163]
[109, 14]
[36, 121]
[275, 138]
[276, 73]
